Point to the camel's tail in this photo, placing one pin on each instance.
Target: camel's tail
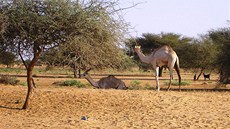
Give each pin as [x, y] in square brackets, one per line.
[177, 68]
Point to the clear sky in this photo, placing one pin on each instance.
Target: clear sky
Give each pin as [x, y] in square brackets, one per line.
[185, 17]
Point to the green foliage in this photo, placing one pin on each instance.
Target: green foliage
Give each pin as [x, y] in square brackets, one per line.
[135, 85]
[176, 83]
[127, 63]
[23, 84]
[11, 70]
[221, 38]
[199, 54]
[93, 34]
[30, 27]
[63, 30]
[148, 87]
[2, 24]
[7, 58]
[6, 79]
[70, 83]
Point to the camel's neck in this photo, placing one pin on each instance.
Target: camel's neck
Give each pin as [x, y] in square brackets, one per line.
[91, 81]
[143, 58]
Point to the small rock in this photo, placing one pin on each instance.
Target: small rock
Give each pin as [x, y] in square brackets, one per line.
[84, 118]
[18, 101]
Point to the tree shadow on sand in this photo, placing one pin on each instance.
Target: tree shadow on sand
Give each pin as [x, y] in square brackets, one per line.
[191, 89]
[8, 107]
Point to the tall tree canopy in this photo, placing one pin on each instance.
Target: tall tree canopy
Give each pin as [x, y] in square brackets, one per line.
[221, 37]
[200, 53]
[30, 27]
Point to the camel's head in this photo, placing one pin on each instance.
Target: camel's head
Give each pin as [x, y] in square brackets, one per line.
[85, 73]
[137, 48]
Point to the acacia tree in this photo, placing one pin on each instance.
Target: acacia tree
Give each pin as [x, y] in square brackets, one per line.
[30, 27]
[81, 54]
[96, 50]
[221, 38]
[199, 54]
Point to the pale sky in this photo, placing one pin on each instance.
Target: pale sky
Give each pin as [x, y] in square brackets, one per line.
[185, 17]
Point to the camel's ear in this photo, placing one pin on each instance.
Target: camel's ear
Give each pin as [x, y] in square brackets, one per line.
[138, 47]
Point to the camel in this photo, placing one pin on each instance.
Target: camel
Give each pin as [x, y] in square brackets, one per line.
[163, 56]
[109, 82]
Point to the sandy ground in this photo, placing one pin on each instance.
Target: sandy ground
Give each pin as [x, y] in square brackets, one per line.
[53, 107]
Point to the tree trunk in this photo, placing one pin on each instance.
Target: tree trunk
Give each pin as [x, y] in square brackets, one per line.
[201, 71]
[74, 70]
[194, 77]
[30, 88]
[29, 69]
[79, 73]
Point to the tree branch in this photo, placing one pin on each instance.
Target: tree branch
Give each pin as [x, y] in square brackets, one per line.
[19, 52]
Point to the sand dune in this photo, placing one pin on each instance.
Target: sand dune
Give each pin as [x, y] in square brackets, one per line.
[58, 108]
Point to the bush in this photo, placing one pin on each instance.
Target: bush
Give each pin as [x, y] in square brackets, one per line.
[6, 79]
[176, 83]
[135, 85]
[23, 83]
[148, 87]
[70, 83]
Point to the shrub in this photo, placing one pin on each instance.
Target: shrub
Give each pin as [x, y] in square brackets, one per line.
[23, 83]
[148, 87]
[135, 85]
[6, 79]
[176, 83]
[70, 83]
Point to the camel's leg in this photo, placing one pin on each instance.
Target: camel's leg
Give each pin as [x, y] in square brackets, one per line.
[171, 78]
[157, 78]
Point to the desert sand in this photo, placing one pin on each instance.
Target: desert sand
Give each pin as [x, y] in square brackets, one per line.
[79, 108]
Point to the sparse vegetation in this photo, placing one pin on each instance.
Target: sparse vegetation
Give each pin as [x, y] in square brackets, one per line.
[23, 84]
[12, 70]
[148, 87]
[8, 80]
[176, 83]
[70, 83]
[135, 85]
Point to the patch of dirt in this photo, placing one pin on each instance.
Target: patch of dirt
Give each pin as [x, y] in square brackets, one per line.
[53, 107]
